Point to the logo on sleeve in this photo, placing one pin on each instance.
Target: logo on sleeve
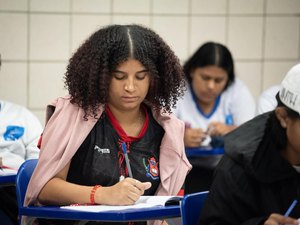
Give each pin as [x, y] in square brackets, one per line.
[13, 133]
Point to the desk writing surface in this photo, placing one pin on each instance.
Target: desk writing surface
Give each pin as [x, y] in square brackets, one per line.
[140, 214]
[7, 172]
[203, 151]
[7, 176]
[7, 179]
[142, 203]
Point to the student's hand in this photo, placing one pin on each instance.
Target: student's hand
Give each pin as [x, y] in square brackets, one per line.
[193, 137]
[277, 219]
[219, 129]
[125, 192]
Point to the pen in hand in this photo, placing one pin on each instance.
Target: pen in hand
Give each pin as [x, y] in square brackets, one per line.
[292, 206]
[210, 129]
[127, 159]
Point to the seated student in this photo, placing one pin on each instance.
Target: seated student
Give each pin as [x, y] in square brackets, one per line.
[123, 82]
[20, 131]
[19, 134]
[267, 100]
[215, 103]
[258, 178]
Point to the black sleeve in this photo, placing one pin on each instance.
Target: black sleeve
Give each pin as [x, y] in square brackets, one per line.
[232, 199]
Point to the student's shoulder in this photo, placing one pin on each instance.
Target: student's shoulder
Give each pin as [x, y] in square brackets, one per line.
[238, 89]
[62, 103]
[237, 84]
[8, 106]
[186, 99]
[168, 119]
[61, 100]
[271, 91]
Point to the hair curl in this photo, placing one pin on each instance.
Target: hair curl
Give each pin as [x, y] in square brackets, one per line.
[89, 71]
[211, 54]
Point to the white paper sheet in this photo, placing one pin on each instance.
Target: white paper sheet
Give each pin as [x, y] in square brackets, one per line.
[6, 172]
[143, 202]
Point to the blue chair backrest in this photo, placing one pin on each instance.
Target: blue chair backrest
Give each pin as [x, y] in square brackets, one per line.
[23, 176]
[191, 206]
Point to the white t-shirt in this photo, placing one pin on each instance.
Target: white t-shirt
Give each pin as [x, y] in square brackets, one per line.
[235, 106]
[267, 100]
[20, 131]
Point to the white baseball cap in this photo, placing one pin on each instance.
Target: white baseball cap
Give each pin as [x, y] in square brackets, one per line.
[289, 92]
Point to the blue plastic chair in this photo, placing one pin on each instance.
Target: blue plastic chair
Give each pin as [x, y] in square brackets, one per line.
[191, 206]
[22, 179]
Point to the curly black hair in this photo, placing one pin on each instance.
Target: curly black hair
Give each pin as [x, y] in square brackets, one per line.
[88, 74]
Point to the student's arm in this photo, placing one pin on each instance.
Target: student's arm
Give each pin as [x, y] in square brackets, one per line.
[220, 129]
[193, 137]
[58, 191]
[33, 131]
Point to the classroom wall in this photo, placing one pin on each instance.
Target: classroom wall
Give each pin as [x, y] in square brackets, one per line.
[37, 37]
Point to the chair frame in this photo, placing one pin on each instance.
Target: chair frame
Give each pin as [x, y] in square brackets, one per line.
[191, 207]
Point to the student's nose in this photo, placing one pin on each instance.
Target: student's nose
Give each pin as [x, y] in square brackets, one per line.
[130, 85]
[211, 84]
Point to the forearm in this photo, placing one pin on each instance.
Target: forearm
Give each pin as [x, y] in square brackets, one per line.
[60, 192]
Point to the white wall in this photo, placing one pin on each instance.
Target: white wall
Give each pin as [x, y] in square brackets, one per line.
[37, 37]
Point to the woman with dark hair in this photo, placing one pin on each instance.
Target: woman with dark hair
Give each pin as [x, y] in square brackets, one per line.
[123, 82]
[214, 104]
[259, 176]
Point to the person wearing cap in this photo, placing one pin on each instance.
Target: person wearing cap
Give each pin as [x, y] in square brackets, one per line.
[259, 175]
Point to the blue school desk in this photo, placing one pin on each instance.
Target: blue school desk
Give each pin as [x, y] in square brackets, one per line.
[55, 212]
[203, 151]
[141, 214]
[7, 180]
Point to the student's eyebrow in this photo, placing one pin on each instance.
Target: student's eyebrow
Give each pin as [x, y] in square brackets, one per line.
[118, 71]
[122, 72]
[143, 71]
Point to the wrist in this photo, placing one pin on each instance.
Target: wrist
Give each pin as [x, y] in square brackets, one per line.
[92, 194]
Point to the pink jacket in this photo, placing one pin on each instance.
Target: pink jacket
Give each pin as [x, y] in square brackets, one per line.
[66, 130]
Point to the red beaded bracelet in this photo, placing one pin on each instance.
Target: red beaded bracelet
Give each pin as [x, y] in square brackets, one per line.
[92, 195]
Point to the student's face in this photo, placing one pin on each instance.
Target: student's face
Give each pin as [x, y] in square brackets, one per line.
[292, 129]
[293, 135]
[208, 82]
[129, 85]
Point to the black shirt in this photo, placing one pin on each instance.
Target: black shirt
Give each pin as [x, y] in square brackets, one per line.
[100, 158]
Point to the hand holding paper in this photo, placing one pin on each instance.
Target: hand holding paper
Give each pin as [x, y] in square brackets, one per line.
[194, 137]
